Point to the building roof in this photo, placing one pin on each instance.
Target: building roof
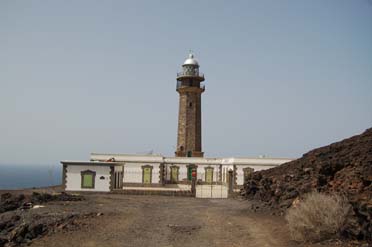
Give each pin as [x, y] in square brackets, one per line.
[127, 158]
[100, 163]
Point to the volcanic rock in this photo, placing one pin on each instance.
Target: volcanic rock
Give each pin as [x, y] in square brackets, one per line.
[343, 167]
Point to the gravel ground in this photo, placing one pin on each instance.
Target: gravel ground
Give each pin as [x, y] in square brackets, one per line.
[103, 219]
[166, 221]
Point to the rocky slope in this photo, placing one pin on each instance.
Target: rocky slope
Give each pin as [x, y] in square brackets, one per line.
[344, 167]
[21, 220]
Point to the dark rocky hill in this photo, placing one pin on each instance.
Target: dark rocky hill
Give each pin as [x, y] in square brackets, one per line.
[344, 167]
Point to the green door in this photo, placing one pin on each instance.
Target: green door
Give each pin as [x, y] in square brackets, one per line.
[189, 173]
[209, 175]
[87, 181]
[147, 175]
[174, 174]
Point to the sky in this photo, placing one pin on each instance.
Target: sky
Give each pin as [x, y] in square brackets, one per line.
[282, 77]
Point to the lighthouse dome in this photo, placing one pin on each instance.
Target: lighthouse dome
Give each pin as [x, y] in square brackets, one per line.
[191, 60]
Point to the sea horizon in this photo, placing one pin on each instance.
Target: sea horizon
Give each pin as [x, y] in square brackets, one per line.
[23, 176]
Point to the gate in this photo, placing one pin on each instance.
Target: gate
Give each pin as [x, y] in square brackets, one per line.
[211, 191]
[210, 184]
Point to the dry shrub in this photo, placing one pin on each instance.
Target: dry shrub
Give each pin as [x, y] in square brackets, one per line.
[318, 217]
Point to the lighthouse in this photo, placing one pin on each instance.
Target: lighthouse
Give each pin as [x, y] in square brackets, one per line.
[190, 88]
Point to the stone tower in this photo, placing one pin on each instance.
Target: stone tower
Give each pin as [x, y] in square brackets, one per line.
[189, 114]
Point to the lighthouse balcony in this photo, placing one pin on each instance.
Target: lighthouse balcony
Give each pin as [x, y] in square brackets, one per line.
[182, 84]
[190, 74]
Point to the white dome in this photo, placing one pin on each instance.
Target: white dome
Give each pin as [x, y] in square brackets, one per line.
[191, 60]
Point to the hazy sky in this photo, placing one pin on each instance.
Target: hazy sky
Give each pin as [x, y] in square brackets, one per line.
[282, 77]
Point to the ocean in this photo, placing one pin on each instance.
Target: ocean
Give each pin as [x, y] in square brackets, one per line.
[29, 176]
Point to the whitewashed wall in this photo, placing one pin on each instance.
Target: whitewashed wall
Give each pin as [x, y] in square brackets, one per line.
[240, 172]
[133, 172]
[182, 172]
[200, 173]
[73, 177]
[118, 168]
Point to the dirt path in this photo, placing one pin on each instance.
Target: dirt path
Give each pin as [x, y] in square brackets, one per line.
[168, 221]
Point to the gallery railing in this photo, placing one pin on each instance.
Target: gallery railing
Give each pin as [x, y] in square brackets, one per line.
[179, 85]
[190, 73]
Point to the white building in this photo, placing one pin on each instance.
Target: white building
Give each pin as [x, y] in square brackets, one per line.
[109, 172]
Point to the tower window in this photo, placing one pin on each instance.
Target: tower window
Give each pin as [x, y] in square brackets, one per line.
[190, 104]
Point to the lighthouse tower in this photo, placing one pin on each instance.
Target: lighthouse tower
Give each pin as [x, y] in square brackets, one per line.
[189, 87]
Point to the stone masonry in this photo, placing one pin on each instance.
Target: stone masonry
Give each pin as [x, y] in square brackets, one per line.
[189, 123]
